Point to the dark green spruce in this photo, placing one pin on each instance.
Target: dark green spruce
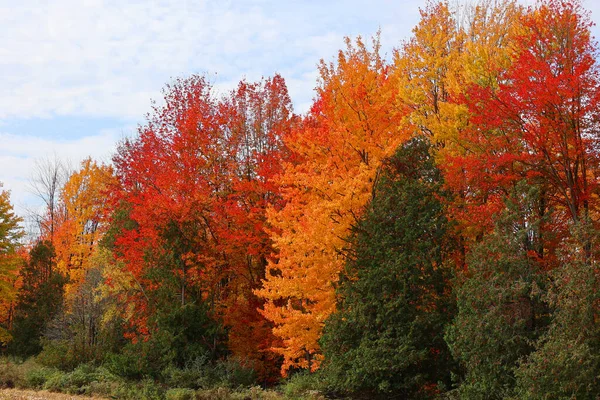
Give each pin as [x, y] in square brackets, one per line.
[500, 310]
[39, 300]
[394, 298]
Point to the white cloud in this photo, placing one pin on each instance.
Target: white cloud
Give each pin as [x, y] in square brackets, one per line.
[18, 154]
[108, 58]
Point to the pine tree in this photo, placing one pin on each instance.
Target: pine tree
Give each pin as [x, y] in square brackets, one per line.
[566, 361]
[394, 297]
[500, 313]
[39, 299]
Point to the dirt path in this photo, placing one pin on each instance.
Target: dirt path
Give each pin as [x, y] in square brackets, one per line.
[15, 394]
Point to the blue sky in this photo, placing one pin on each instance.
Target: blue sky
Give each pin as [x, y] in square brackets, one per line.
[76, 76]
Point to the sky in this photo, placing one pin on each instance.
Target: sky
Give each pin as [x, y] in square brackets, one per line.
[78, 76]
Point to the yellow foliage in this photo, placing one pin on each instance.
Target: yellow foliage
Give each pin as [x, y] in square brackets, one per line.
[84, 198]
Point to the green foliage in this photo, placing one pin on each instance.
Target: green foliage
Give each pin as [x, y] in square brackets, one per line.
[140, 359]
[231, 373]
[147, 389]
[500, 313]
[38, 301]
[180, 394]
[58, 354]
[566, 362]
[305, 385]
[393, 299]
[203, 374]
[85, 379]
[190, 332]
[253, 393]
[183, 337]
[10, 231]
[223, 380]
[82, 376]
[37, 378]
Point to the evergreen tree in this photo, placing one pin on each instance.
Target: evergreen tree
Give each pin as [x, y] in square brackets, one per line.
[393, 297]
[39, 299]
[500, 312]
[10, 231]
[566, 362]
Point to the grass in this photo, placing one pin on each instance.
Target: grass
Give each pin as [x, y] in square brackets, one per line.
[32, 381]
[20, 394]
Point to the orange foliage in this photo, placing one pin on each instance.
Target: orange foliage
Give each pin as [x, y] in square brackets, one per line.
[83, 201]
[10, 283]
[351, 128]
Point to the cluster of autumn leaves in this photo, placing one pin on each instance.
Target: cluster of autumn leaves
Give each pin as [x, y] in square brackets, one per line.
[246, 206]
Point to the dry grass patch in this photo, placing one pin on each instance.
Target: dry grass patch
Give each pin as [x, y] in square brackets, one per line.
[16, 394]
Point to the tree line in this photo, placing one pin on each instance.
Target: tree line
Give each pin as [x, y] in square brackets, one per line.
[428, 228]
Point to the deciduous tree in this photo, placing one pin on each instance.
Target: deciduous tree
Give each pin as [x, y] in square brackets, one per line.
[11, 261]
[337, 151]
[83, 199]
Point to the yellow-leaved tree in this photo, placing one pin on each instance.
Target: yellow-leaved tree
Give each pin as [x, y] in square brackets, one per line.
[424, 68]
[84, 199]
[451, 51]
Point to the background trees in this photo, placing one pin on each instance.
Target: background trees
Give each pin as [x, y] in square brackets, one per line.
[83, 199]
[195, 185]
[500, 312]
[39, 299]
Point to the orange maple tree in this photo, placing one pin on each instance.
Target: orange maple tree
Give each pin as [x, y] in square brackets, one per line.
[336, 155]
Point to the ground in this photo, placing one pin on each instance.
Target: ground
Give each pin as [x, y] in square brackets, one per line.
[16, 394]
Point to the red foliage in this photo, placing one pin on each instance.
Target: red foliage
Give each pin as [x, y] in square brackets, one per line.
[539, 125]
[197, 181]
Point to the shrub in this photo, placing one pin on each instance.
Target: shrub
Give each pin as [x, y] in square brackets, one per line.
[193, 376]
[180, 394]
[55, 383]
[203, 374]
[104, 388]
[231, 373]
[141, 359]
[36, 378]
[58, 354]
[304, 385]
[252, 393]
[9, 374]
[144, 390]
[25, 375]
[85, 379]
[79, 380]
